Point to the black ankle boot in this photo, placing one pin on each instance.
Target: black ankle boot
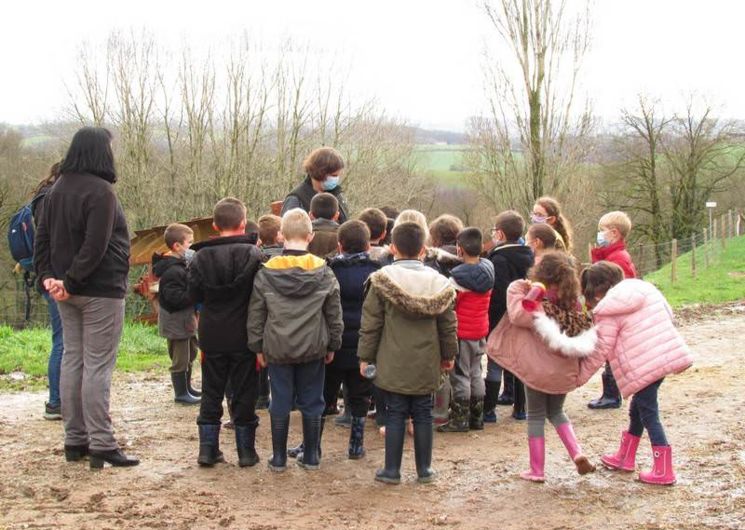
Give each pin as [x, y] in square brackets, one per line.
[193, 391]
[611, 398]
[180, 389]
[209, 445]
[508, 394]
[423, 452]
[394, 448]
[75, 453]
[357, 438]
[115, 457]
[310, 458]
[245, 443]
[280, 429]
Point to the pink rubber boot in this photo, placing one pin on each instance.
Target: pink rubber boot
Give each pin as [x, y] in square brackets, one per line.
[537, 448]
[662, 469]
[625, 458]
[566, 433]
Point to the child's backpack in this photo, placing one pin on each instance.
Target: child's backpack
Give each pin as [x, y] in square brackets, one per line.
[21, 234]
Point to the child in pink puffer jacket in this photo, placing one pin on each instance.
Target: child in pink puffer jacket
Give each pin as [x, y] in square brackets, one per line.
[636, 334]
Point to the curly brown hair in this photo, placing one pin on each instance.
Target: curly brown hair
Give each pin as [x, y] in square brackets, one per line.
[558, 269]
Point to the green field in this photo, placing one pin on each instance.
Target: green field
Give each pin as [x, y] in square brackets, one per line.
[722, 281]
[27, 351]
[443, 162]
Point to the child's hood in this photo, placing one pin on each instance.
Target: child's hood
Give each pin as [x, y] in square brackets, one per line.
[295, 276]
[477, 277]
[625, 297]
[162, 262]
[422, 291]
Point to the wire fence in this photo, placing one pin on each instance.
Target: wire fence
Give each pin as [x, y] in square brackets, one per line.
[693, 254]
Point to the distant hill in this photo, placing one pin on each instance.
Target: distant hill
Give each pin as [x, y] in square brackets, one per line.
[428, 136]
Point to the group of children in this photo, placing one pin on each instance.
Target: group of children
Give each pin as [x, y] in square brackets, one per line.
[386, 307]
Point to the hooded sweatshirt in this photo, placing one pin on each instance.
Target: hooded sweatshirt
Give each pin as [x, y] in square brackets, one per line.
[82, 237]
[295, 314]
[408, 327]
[221, 278]
[176, 317]
[473, 283]
[325, 242]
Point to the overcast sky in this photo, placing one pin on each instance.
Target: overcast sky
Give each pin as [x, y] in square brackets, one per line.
[420, 58]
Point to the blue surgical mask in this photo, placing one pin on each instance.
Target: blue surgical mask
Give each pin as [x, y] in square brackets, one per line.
[537, 219]
[601, 240]
[330, 183]
[189, 255]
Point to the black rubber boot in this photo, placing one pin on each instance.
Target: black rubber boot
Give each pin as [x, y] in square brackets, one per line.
[193, 391]
[280, 429]
[508, 394]
[75, 453]
[518, 408]
[179, 389]
[115, 457]
[293, 452]
[611, 398]
[459, 414]
[357, 438]
[423, 453]
[209, 446]
[476, 414]
[245, 443]
[297, 451]
[309, 458]
[490, 401]
[394, 449]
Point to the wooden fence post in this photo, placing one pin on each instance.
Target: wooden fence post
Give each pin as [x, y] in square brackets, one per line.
[693, 256]
[673, 260]
[641, 262]
[723, 233]
[706, 248]
[730, 224]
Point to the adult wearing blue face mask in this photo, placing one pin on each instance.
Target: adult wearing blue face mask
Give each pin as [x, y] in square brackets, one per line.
[322, 169]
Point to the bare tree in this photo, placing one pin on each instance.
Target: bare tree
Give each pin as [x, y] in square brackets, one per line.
[534, 134]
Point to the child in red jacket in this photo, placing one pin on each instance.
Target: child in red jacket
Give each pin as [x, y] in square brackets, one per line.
[613, 229]
[473, 281]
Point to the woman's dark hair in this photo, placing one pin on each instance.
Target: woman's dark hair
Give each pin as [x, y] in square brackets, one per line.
[90, 152]
[597, 279]
[49, 180]
[558, 268]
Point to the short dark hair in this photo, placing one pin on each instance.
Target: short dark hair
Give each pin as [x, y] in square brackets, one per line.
[229, 213]
[323, 162]
[598, 278]
[353, 236]
[444, 230]
[409, 239]
[269, 227]
[471, 241]
[390, 212]
[252, 228]
[375, 220]
[511, 223]
[324, 206]
[90, 152]
[176, 233]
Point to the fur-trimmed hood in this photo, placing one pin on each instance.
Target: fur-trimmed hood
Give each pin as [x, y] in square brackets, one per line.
[581, 345]
[421, 291]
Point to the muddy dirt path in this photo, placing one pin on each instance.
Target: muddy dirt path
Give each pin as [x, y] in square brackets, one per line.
[477, 487]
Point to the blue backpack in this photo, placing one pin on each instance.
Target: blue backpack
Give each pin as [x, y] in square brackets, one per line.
[21, 234]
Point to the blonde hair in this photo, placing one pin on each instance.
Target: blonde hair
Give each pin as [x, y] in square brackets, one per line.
[618, 220]
[412, 216]
[296, 224]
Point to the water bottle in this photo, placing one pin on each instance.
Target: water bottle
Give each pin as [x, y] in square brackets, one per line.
[371, 371]
[533, 299]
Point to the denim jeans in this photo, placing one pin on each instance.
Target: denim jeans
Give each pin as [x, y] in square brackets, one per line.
[54, 368]
[400, 407]
[301, 384]
[644, 413]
